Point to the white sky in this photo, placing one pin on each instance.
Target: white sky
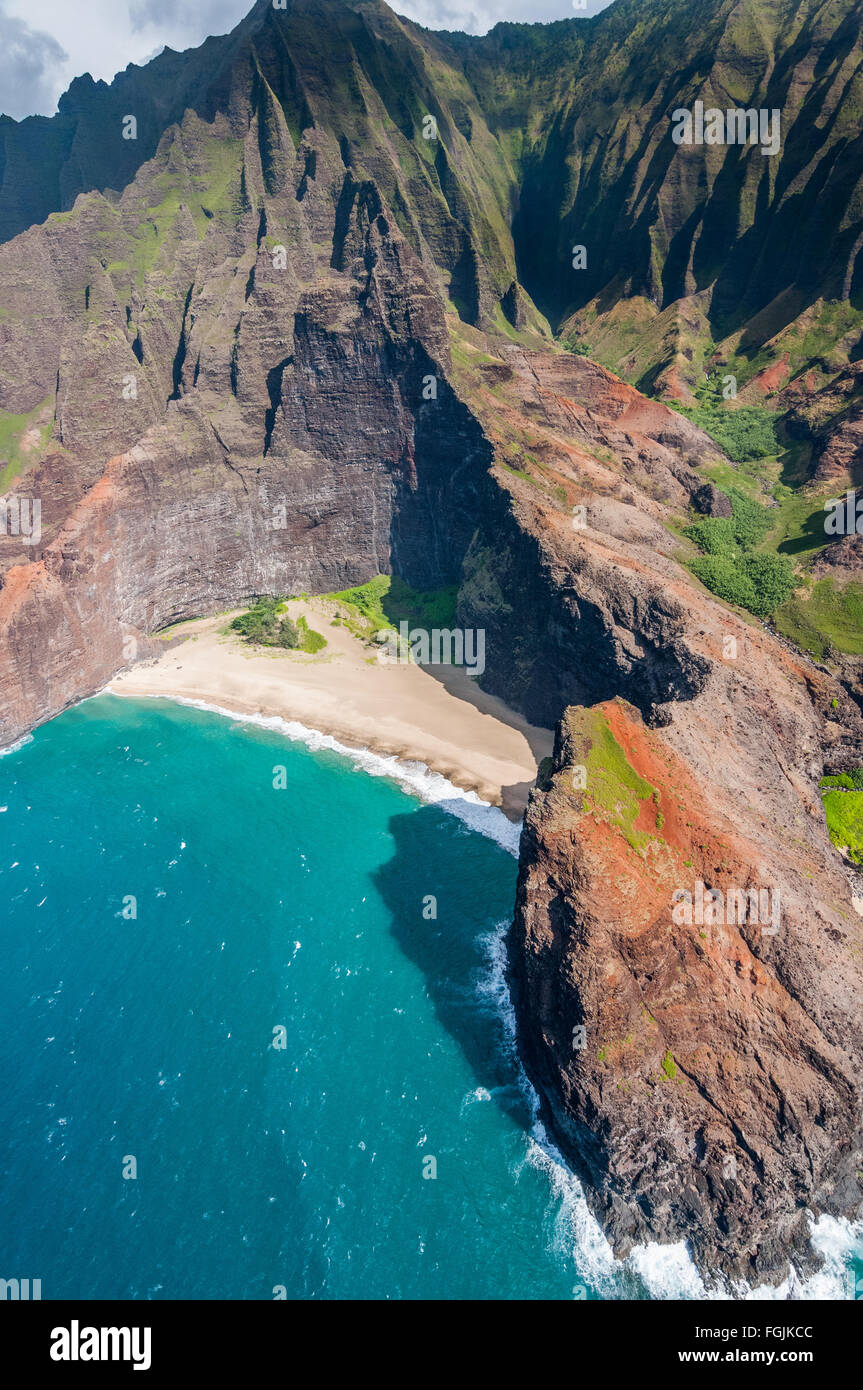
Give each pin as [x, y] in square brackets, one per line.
[45, 43]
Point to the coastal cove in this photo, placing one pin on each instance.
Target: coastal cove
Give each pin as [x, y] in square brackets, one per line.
[432, 715]
[255, 909]
[431, 655]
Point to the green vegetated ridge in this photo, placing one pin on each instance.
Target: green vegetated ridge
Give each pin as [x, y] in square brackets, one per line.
[760, 558]
[547, 136]
[613, 791]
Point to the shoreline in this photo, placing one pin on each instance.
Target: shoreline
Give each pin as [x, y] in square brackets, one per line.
[437, 717]
[423, 783]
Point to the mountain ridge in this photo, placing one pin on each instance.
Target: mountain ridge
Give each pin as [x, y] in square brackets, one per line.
[582, 108]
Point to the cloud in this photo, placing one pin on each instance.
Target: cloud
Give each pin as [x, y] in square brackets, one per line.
[29, 65]
[479, 17]
[471, 18]
[188, 22]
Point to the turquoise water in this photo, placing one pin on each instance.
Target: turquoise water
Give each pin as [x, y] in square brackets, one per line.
[256, 907]
[150, 1037]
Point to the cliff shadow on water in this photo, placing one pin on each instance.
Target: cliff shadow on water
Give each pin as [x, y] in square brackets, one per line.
[460, 950]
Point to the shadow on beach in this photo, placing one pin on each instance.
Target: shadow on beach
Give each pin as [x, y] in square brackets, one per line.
[461, 686]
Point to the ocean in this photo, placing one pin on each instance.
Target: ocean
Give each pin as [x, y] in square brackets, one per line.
[257, 1040]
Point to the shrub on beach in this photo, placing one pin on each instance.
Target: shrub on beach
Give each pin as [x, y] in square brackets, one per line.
[266, 624]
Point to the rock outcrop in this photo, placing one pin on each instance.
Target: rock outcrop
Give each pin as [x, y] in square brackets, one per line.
[832, 419]
[700, 1069]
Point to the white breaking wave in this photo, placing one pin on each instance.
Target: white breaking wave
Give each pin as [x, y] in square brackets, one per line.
[14, 747]
[650, 1271]
[415, 777]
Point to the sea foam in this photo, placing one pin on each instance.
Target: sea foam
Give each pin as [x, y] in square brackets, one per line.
[650, 1271]
[14, 747]
[414, 777]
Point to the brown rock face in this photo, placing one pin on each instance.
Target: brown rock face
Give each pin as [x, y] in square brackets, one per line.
[680, 904]
[843, 559]
[700, 1069]
[833, 419]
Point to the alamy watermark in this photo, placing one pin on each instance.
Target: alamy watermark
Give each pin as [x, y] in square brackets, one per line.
[77, 1343]
[433, 647]
[845, 515]
[21, 516]
[20, 1290]
[711, 907]
[735, 126]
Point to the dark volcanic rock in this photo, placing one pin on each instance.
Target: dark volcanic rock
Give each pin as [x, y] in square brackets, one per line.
[845, 554]
[711, 501]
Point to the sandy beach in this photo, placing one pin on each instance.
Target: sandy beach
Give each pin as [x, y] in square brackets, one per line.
[436, 715]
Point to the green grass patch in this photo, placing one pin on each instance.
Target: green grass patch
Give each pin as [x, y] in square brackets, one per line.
[308, 639]
[519, 472]
[830, 618]
[729, 566]
[614, 790]
[14, 459]
[799, 526]
[386, 601]
[843, 808]
[362, 611]
[744, 433]
[729, 477]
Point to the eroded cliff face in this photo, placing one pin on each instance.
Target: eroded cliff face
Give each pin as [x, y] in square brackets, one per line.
[697, 1049]
[563, 575]
[238, 413]
[714, 1094]
[551, 136]
[260, 368]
